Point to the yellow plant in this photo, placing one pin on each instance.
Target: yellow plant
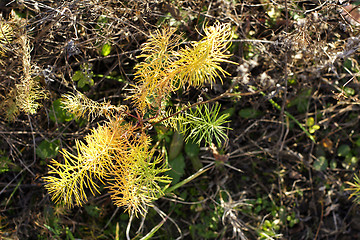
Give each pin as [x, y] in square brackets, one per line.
[93, 161]
[6, 36]
[166, 69]
[200, 63]
[81, 106]
[135, 182]
[118, 153]
[27, 93]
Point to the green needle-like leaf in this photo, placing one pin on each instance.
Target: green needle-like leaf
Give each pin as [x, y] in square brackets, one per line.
[204, 123]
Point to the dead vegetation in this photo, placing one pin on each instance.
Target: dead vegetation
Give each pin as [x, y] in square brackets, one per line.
[271, 181]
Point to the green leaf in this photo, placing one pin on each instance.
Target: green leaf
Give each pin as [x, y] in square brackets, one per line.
[77, 75]
[314, 128]
[21, 14]
[84, 76]
[4, 164]
[343, 150]
[176, 145]
[192, 149]
[228, 111]
[301, 101]
[102, 20]
[203, 123]
[349, 91]
[106, 49]
[333, 164]
[310, 121]
[320, 164]
[48, 149]
[81, 83]
[351, 160]
[249, 113]
[177, 168]
[69, 235]
[162, 133]
[58, 113]
[292, 80]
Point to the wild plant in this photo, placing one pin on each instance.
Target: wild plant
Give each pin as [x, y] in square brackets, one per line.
[27, 93]
[119, 153]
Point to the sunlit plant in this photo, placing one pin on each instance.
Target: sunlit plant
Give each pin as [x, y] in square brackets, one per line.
[27, 93]
[119, 153]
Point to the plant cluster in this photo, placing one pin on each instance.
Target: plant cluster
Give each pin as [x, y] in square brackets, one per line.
[101, 96]
[119, 153]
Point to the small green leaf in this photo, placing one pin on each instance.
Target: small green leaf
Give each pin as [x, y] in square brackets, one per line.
[192, 149]
[314, 128]
[162, 133]
[320, 164]
[84, 76]
[229, 111]
[351, 160]
[301, 101]
[106, 49]
[357, 143]
[77, 76]
[177, 168]
[292, 80]
[343, 150]
[103, 19]
[310, 121]
[176, 145]
[348, 64]
[4, 164]
[69, 235]
[333, 164]
[21, 14]
[58, 114]
[349, 91]
[48, 149]
[249, 113]
[82, 82]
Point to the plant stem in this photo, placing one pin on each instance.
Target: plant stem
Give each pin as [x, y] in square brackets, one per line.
[192, 177]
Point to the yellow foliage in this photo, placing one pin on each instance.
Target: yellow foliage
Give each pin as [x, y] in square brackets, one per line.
[118, 153]
[166, 69]
[81, 106]
[93, 160]
[152, 73]
[134, 185]
[28, 91]
[200, 63]
[6, 35]
[114, 153]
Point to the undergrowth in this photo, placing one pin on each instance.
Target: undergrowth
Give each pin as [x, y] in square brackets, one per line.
[180, 119]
